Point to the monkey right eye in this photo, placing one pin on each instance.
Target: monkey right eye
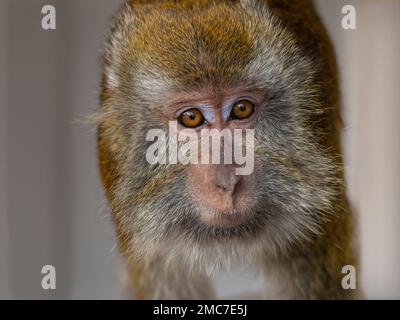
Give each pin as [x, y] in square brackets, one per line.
[191, 118]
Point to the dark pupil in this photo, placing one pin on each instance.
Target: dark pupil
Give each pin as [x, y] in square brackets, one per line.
[191, 115]
[242, 107]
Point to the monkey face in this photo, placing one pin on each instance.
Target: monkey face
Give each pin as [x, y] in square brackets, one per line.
[225, 66]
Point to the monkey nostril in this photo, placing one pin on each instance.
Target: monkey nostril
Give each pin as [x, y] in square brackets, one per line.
[226, 180]
[229, 185]
[222, 187]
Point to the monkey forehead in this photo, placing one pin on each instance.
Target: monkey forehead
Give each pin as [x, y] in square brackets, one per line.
[213, 44]
[164, 49]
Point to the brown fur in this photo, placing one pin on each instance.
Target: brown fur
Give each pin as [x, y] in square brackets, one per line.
[303, 269]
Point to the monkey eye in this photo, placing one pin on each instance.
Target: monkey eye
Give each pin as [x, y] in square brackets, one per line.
[191, 118]
[242, 110]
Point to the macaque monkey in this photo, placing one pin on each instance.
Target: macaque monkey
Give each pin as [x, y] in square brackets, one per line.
[226, 64]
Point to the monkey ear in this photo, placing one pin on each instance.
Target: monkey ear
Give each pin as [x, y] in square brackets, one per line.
[122, 26]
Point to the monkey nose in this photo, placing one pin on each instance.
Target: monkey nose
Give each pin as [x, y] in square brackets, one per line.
[227, 180]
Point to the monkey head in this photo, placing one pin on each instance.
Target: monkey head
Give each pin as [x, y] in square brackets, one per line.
[215, 65]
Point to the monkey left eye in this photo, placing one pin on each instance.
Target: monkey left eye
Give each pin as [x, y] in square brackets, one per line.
[242, 110]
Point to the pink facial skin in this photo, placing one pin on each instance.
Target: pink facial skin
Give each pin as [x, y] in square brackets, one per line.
[218, 193]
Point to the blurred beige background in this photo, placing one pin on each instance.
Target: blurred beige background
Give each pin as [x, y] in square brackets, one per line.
[52, 209]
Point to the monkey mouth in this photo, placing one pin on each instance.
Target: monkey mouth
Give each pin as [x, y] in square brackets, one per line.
[225, 210]
[222, 219]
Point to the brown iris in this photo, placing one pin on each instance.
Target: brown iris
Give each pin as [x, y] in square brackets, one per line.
[242, 109]
[191, 118]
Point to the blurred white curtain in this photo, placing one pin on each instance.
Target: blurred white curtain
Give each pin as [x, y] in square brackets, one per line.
[4, 285]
